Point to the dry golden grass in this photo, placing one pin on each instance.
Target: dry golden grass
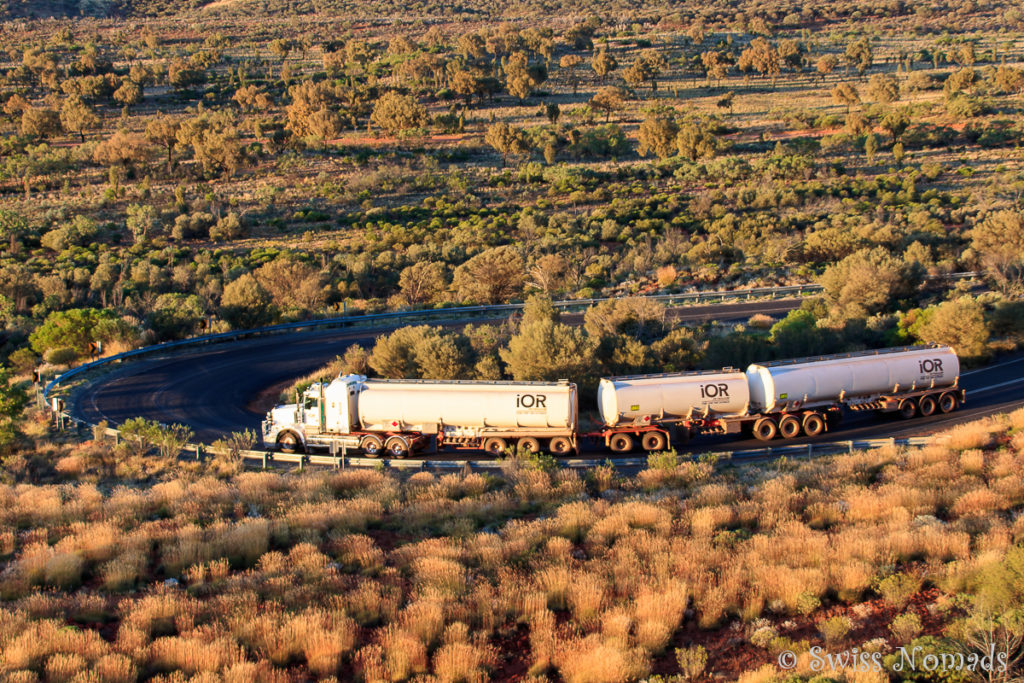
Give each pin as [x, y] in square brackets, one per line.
[601, 584]
[594, 660]
[463, 662]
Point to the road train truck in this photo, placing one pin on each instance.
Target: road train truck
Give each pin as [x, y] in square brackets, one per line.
[399, 416]
[786, 398]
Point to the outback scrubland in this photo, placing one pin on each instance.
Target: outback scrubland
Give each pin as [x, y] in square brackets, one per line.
[686, 571]
[169, 169]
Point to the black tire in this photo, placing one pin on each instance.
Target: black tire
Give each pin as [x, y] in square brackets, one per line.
[397, 447]
[289, 443]
[765, 429]
[371, 445]
[948, 403]
[789, 427]
[653, 441]
[926, 406]
[529, 443]
[620, 443]
[495, 446]
[814, 424]
[560, 445]
[908, 409]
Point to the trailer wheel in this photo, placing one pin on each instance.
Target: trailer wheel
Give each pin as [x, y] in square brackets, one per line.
[371, 445]
[908, 409]
[948, 403]
[289, 443]
[789, 427]
[620, 443]
[814, 424]
[654, 441]
[397, 447]
[765, 429]
[495, 446]
[560, 445]
[529, 444]
[926, 404]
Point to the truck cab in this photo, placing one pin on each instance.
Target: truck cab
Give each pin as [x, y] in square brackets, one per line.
[324, 412]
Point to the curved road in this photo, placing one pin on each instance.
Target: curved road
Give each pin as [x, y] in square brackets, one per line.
[216, 389]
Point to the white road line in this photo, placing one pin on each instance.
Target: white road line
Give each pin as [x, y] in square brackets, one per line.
[994, 387]
[992, 367]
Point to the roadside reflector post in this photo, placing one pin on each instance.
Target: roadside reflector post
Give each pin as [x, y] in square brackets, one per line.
[850, 444]
[199, 454]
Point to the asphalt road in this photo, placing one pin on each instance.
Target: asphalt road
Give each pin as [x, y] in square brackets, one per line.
[214, 389]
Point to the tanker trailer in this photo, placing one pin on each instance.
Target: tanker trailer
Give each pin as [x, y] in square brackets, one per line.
[647, 407]
[402, 415]
[798, 396]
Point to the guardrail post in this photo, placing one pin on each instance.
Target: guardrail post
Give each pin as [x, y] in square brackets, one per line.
[850, 444]
[199, 453]
[264, 460]
[892, 441]
[302, 458]
[810, 449]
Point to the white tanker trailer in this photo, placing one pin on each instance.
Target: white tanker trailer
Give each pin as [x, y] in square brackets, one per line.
[404, 415]
[785, 398]
[644, 406]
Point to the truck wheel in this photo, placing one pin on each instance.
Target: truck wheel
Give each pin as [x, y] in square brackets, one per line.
[620, 443]
[397, 447]
[529, 444]
[560, 445]
[371, 445]
[789, 427]
[926, 404]
[814, 424]
[947, 403]
[765, 429]
[908, 409]
[653, 441]
[495, 446]
[289, 443]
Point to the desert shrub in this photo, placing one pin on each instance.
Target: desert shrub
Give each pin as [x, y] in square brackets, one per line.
[905, 627]
[835, 629]
[897, 589]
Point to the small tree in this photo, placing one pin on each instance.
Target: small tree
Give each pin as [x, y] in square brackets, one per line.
[999, 241]
[608, 100]
[77, 117]
[507, 140]
[603, 64]
[245, 303]
[421, 283]
[545, 349]
[884, 88]
[490, 277]
[657, 135]
[398, 114]
[13, 400]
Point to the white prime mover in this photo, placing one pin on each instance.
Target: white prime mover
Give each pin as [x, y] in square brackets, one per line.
[781, 398]
[401, 416]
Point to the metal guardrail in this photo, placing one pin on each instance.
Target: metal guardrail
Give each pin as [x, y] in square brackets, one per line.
[794, 450]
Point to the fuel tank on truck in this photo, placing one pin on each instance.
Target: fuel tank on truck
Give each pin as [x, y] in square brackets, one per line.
[672, 396]
[424, 405]
[804, 382]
